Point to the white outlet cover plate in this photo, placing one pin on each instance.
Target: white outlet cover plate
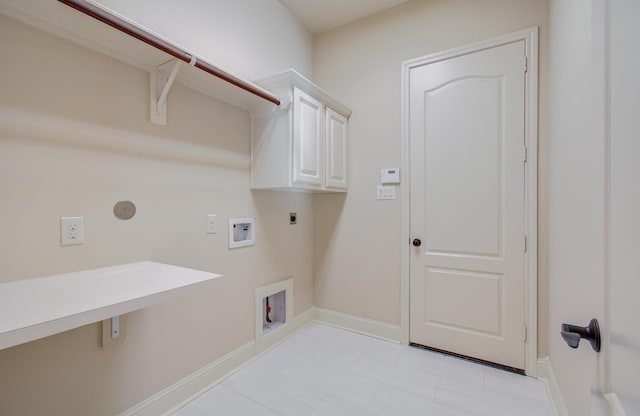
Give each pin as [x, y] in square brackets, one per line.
[71, 231]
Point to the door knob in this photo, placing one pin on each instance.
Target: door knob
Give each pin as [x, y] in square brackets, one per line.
[573, 333]
[416, 242]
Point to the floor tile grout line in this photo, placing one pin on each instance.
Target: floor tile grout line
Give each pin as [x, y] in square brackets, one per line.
[513, 400]
[368, 407]
[437, 389]
[443, 371]
[266, 405]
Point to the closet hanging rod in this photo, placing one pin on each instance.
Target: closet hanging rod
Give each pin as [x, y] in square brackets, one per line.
[166, 47]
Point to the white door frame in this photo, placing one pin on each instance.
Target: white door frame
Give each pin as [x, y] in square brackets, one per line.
[530, 37]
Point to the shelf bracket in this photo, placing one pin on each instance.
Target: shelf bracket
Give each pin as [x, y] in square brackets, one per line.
[115, 327]
[160, 85]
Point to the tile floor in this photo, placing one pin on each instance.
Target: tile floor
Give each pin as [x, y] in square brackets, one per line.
[324, 371]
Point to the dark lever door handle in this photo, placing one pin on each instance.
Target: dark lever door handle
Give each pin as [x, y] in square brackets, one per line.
[573, 333]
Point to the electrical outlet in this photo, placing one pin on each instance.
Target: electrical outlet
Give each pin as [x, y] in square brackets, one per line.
[71, 231]
[211, 224]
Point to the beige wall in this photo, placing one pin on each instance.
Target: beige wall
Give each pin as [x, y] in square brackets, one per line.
[250, 38]
[74, 139]
[357, 239]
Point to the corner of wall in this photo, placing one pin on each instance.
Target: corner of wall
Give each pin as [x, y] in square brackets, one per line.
[545, 373]
[376, 329]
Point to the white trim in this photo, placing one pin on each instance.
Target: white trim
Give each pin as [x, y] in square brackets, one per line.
[405, 206]
[530, 37]
[602, 23]
[376, 329]
[531, 201]
[546, 374]
[184, 391]
[302, 320]
[614, 405]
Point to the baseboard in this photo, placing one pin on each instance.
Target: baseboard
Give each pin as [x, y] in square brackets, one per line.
[191, 386]
[175, 396]
[364, 326]
[273, 339]
[614, 405]
[304, 319]
[545, 373]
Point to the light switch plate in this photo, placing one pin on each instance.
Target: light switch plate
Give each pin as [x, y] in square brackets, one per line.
[212, 224]
[386, 192]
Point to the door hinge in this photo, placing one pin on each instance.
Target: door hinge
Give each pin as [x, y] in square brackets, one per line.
[526, 64]
[525, 333]
[525, 243]
[526, 154]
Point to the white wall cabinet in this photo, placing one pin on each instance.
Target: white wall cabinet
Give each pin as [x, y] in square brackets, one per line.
[336, 147]
[308, 132]
[303, 144]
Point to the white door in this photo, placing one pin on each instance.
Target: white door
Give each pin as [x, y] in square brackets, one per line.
[622, 385]
[308, 139]
[466, 134]
[594, 201]
[336, 130]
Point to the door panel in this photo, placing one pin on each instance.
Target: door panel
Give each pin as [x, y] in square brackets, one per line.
[478, 309]
[464, 167]
[308, 145]
[467, 204]
[336, 131]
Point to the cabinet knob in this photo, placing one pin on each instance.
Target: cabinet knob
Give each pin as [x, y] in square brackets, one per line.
[416, 242]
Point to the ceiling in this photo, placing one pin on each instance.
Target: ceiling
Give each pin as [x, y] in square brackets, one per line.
[320, 16]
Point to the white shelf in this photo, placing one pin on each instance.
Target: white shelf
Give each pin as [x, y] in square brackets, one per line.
[65, 22]
[36, 308]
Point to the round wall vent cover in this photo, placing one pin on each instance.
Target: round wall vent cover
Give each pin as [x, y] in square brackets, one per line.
[124, 210]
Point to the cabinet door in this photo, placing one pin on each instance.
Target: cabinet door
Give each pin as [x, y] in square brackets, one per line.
[308, 140]
[336, 149]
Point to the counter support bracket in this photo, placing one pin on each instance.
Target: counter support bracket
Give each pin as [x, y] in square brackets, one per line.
[115, 327]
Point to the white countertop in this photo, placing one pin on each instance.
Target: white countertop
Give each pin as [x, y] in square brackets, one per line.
[35, 308]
